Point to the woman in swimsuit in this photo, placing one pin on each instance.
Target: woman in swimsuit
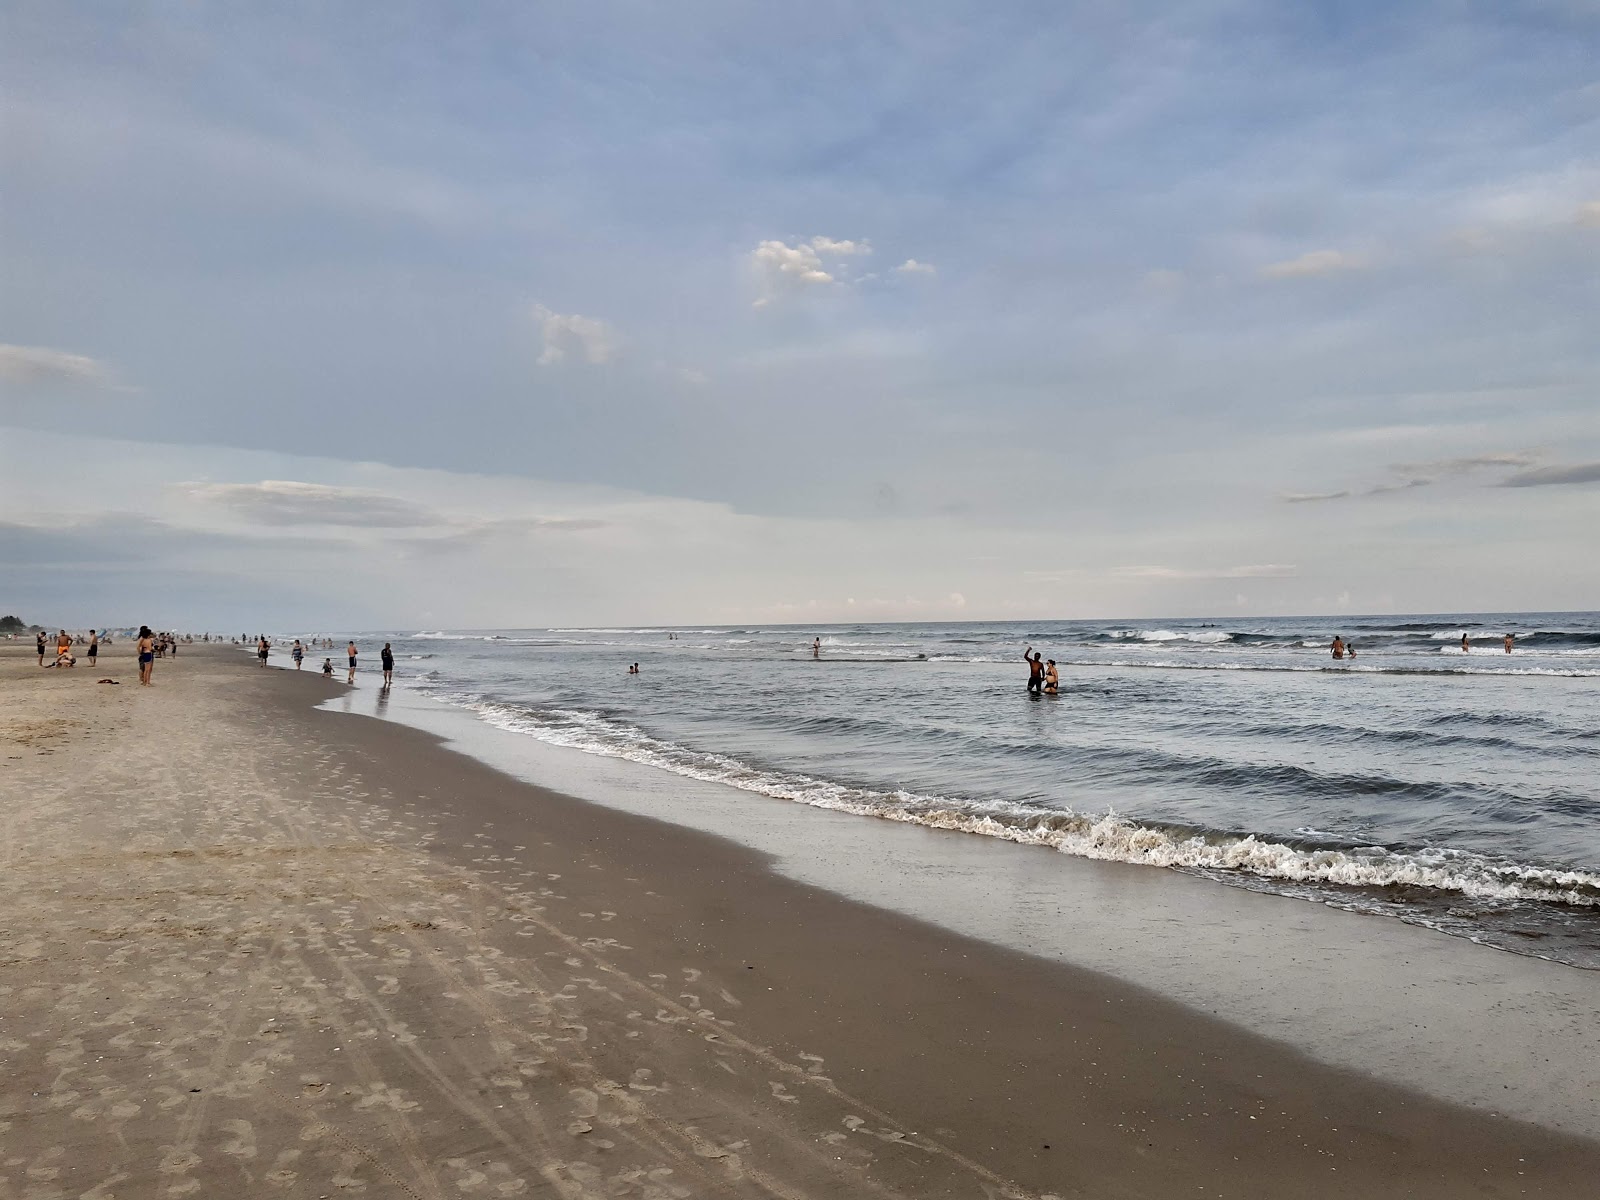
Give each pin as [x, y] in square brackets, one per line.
[147, 655]
[1052, 681]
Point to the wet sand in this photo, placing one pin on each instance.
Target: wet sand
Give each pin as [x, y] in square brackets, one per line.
[250, 948]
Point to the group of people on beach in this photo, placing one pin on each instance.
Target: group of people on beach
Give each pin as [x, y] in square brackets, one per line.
[297, 652]
[64, 642]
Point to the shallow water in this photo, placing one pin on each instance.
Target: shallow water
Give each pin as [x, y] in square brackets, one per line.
[1452, 789]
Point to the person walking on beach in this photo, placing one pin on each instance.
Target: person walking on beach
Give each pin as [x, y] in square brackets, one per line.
[94, 646]
[147, 655]
[1338, 646]
[351, 650]
[1510, 641]
[1035, 670]
[263, 648]
[39, 642]
[388, 665]
[298, 653]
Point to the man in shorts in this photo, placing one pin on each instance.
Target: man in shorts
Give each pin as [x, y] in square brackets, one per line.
[351, 651]
[388, 665]
[94, 646]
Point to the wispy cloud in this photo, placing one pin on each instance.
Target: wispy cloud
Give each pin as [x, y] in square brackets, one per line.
[1425, 474]
[1314, 263]
[912, 267]
[1313, 497]
[588, 338]
[289, 502]
[1588, 472]
[39, 364]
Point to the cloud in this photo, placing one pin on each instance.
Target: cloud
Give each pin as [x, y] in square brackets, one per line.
[912, 267]
[1424, 474]
[780, 267]
[1315, 263]
[39, 364]
[1460, 466]
[1313, 497]
[1253, 571]
[568, 333]
[1588, 215]
[287, 502]
[1547, 476]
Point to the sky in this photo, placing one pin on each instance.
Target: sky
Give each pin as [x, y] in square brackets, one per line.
[375, 315]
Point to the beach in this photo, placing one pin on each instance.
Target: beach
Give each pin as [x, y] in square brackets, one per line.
[249, 946]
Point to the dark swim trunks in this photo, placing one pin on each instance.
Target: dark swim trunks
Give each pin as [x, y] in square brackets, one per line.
[147, 656]
[352, 662]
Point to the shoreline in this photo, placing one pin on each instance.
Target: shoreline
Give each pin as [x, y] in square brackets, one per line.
[496, 987]
[1357, 991]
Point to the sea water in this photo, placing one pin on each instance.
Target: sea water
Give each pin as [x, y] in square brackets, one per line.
[1459, 790]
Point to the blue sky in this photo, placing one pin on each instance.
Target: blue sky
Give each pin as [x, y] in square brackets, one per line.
[716, 311]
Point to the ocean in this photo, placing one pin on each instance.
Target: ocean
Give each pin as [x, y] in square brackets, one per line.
[1458, 790]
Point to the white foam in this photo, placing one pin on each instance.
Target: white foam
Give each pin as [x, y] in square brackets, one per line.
[1105, 836]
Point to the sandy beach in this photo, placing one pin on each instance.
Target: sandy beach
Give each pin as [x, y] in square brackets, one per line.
[252, 948]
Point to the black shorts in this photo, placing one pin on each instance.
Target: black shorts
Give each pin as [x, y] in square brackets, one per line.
[352, 662]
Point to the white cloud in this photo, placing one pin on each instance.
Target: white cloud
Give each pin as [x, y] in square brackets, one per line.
[912, 267]
[780, 267]
[588, 338]
[39, 364]
[844, 249]
[1314, 263]
[1589, 214]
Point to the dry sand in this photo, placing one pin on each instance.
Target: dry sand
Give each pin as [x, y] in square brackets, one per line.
[251, 949]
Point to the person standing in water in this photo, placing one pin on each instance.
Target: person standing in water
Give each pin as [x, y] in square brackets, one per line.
[1466, 647]
[1052, 681]
[351, 651]
[1035, 669]
[388, 665]
[1510, 641]
[1338, 646]
[816, 647]
[298, 653]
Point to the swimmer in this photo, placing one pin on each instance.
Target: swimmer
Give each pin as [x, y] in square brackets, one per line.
[1338, 646]
[1466, 648]
[816, 647]
[1511, 639]
[1035, 669]
[1052, 681]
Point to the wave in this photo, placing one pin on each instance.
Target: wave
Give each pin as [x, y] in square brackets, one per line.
[1105, 836]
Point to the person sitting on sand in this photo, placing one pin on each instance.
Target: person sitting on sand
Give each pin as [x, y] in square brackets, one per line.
[1338, 646]
[327, 668]
[1052, 681]
[1035, 669]
[147, 655]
